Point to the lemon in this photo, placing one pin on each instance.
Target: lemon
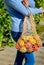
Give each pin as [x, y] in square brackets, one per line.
[33, 41]
[24, 38]
[30, 37]
[36, 37]
[38, 40]
[23, 50]
[21, 42]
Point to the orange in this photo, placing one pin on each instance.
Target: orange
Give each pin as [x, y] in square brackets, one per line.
[21, 42]
[17, 46]
[28, 44]
[30, 49]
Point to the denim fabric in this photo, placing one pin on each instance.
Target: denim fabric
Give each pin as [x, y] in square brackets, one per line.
[18, 11]
[29, 57]
[15, 35]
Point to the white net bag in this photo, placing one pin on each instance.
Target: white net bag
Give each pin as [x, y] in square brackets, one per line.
[29, 40]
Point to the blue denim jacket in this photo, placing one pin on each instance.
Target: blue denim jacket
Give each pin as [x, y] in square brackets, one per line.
[18, 11]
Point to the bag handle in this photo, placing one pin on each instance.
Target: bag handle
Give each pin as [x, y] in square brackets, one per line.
[31, 20]
[29, 11]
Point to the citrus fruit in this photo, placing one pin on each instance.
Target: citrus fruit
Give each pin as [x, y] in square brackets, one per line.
[38, 40]
[21, 42]
[17, 46]
[36, 37]
[30, 37]
[28, 44]
[39, 43]
[30, 49]
[33, 41]
[24, 38]
[23, 49]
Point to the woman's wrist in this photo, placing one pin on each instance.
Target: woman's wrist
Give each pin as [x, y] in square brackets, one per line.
[25, 3]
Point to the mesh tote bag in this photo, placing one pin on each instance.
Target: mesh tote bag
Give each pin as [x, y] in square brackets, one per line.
[29, 40]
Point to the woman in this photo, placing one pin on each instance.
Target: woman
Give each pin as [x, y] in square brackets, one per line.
[18, 11]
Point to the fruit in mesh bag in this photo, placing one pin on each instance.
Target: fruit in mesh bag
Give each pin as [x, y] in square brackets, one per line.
[21, 42]
[28, 44]
[36, 37]
[17, 46]
[30, 49]
[35, 47]
[29, 38]
[23, 49]
[32, 40]
[39, 43]
[38, 40]
[25, 38]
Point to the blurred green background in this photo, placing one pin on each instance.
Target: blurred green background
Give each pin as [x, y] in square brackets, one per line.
[5, 24]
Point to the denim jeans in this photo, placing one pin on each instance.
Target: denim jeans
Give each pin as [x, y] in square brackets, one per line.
[29, 57]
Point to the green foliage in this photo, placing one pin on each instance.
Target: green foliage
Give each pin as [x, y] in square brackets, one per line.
[39, 3]
[5, 27]
[38, 18]
[5, 23]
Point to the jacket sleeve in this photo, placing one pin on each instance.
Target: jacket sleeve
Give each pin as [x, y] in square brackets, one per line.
[31, 3]
[35, 10]
[18, 6]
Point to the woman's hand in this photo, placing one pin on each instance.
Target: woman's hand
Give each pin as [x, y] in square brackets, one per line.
[25, 2]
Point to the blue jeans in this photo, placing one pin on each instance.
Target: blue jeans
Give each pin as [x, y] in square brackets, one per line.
[29, 57]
